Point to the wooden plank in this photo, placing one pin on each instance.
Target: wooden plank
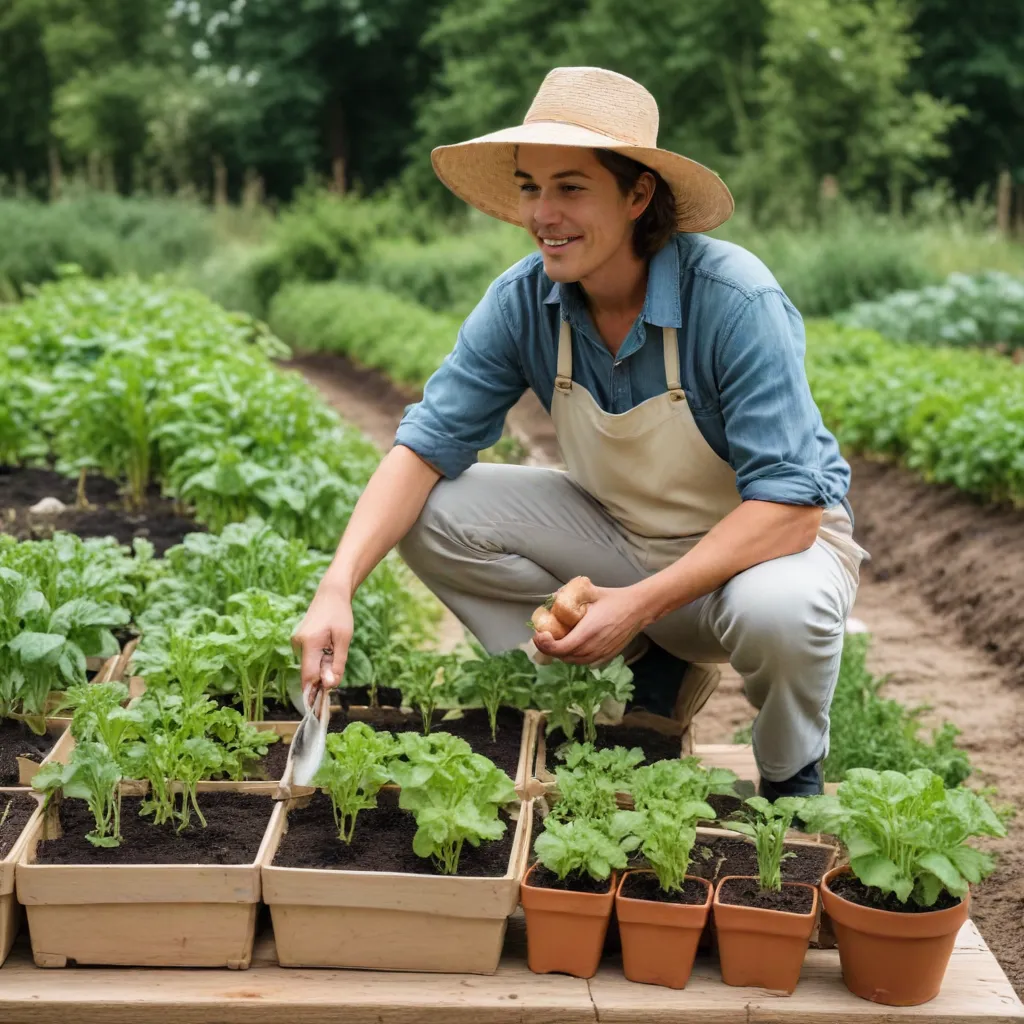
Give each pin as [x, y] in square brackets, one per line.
[975, 992]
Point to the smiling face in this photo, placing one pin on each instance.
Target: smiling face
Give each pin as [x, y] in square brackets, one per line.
[575, 210]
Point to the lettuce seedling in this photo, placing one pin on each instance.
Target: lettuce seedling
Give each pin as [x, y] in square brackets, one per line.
[352, 773]
[614, 764]
[592, 846]
[455, 795]
[426, 680]
[906, 834]
[495, 680]
[768, 827]
[91, 774]
[671, 797]
[572, 693]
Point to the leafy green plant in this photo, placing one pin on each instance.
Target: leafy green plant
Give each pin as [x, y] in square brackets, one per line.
[613, 764]
[575, 693]
[583, 846]
[768, 828]
[495, 680]
[981, 309]
[906, 834]
[670, 797]
[91, 774]
[455, 795]
[427, 681]
[352, 773]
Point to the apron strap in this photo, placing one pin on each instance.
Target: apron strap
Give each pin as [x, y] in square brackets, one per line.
[563, 368]
[670, 342]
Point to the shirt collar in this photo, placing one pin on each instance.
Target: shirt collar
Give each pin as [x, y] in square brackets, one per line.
[661, 306]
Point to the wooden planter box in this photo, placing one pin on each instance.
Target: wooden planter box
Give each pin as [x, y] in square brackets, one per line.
[137, 915]
[10, 908]
[389, 921]
[60, 751]
[523, 780]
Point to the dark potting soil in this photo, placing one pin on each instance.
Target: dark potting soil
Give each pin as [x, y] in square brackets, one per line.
[644, 886]
[655, 745]
[725, 806]
[728, 856]
[850, 888]
[160, 521]
[382, 842]
[543, 878]
[18, 808]
[235, 826]
[359, 696]
[18, 740]
[472, 726]
[790, 899]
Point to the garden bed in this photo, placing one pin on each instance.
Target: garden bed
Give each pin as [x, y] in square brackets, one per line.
[16, 808]
[23, 751]
[160, 522]
[512, 752]
[375, 906]
[160, 899]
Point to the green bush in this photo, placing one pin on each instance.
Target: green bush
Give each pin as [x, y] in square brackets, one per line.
[956, 417]
[323, 236]
[102, 233]
[450, 274]
[371, 326]
[984, 309]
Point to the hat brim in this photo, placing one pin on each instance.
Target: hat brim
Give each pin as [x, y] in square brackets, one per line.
[481, 170]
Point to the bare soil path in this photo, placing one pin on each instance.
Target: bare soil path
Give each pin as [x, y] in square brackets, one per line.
[943, 598]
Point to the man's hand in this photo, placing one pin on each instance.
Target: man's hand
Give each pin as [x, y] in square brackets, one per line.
[613, 617]
[327, 626]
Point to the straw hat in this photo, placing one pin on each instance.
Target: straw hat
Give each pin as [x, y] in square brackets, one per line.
[592, 108]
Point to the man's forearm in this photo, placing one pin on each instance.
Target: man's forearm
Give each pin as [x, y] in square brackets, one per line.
[384, 514]
[756, 532]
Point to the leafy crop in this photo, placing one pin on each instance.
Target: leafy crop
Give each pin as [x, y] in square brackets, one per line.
[613, 764]
[353, 771]
[980, 309]
[955, 417]
[91, 774]
[670, 797]
[582, 845]
[427, 681]
[906, 834]
[768, 828]
[455, 795]
[574, 693]
[495, 680]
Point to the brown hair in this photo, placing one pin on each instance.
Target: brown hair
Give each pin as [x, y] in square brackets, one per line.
[656, 225]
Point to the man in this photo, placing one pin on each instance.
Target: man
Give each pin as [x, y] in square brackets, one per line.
[703, 495]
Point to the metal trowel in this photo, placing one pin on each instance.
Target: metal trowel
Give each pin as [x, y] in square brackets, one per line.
[306, 750]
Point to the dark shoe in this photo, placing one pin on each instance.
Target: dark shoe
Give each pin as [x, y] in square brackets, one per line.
[668, 686]
[807, 782]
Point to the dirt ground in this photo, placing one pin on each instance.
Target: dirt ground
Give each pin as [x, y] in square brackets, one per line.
[943, 598]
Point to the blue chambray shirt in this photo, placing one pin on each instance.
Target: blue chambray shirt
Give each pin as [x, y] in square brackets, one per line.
[741, 354]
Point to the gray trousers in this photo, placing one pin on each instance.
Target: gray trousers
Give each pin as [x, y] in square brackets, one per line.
[496, 541]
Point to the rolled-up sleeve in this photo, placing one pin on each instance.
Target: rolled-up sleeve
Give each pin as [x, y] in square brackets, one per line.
[466, 399]
[772, 425]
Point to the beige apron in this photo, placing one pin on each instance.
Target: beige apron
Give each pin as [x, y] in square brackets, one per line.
[652, 470]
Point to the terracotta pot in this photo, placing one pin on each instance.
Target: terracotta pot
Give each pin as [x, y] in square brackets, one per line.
[565, 930]
[892, 958]
[659, 940]
[763, 948]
